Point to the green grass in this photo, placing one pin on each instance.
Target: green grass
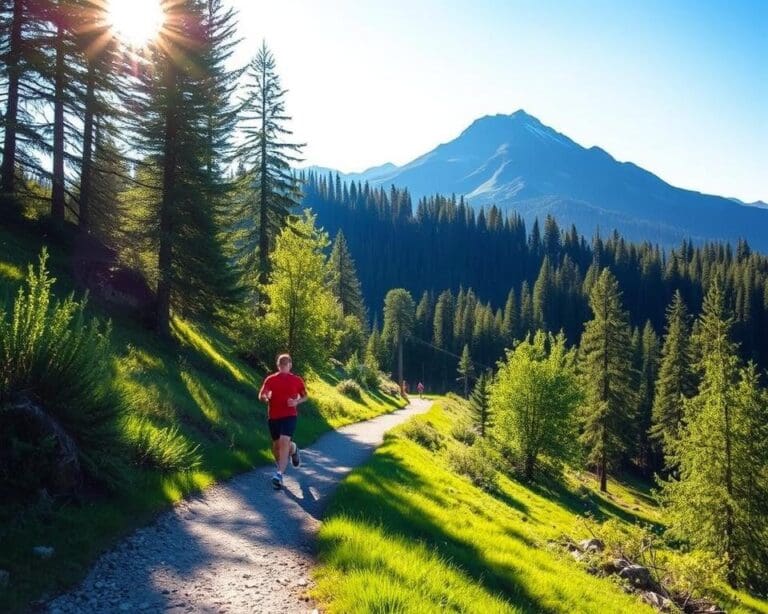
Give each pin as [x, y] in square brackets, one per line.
[404, 533]
[196, 385]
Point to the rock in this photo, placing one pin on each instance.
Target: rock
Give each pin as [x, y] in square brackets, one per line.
[638, 576]
[615, 566]
[660, 602]
[592, 545]
[43, 552]
[576, 554]
[5, 578]
[302, 582]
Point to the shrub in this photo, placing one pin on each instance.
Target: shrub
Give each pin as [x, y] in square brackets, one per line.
[472, 462]
[424, 434]
[363, 373]
[351, 389]
[165, 449]
[56, 371]
[463, 432]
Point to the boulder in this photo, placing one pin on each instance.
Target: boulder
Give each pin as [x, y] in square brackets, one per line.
[615, 565]
[592, 545]
[638, 576]
[660, 602]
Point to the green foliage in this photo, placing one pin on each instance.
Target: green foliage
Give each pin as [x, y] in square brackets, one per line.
[399, 317]
[475, 462]
[463, 431]
[424, 434]
[162, 448]
[346, 285]
[675, 380]
[350, 388]
[51, 354]
[466, 370]
[352, 339]
[720, 501]
[533, 399]
[302, 314]
[364, 373]
[480, 403]
[608, 378]
[272, 190]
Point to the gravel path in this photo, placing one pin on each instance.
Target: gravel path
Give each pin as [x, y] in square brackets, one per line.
[239, 546]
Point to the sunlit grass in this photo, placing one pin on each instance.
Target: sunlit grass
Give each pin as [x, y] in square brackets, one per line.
[406, 534]
[191, 394]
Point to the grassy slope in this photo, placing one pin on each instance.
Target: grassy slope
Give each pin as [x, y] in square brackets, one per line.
[197, 384]
[406, 534]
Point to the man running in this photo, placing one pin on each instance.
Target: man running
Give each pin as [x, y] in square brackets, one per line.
[283, 392]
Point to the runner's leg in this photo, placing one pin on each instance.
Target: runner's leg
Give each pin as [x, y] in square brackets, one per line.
[284, 450]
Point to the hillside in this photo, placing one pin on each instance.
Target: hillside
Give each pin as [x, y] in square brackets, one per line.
[408, 533]
[192, 394]
[520, 164]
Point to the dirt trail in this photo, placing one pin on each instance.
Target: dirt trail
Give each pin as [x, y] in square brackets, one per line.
[237, 547]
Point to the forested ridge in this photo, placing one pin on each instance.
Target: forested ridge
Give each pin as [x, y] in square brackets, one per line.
[493, 279]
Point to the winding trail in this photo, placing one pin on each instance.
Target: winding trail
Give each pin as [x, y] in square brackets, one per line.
[237, 547]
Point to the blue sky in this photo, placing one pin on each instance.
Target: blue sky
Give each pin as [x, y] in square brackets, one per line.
[678, 87]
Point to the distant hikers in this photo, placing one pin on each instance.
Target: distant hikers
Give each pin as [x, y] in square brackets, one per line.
[283, 392]
[420, 390]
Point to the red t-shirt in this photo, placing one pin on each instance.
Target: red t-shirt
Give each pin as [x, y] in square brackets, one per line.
[283, 386]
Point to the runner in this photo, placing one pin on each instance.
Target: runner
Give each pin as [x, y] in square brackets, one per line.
[283, 392]
[420, 390]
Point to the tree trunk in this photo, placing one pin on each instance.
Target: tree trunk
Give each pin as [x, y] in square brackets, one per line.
[57, 194]
[86, 169]
[7, 175]
[400, 364]
[530, 463]
[165, 257]
[603, 474]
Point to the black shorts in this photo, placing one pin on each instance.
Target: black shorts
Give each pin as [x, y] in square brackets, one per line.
[282, 426]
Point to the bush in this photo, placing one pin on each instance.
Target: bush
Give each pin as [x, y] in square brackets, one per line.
[351, 389]
[165, 449]
[424, 434]
[56, 372]
[363, 373]
[473, 463]
[463, 432]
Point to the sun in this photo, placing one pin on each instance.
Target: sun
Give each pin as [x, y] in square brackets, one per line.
[136, 22]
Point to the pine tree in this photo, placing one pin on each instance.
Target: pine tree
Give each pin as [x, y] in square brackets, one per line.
[607, 378]
[648, 371]
[719, 502]
[375, 351]
[269, 156]
[527, 324]
[466, 370]
[544, 301]
[675, 380]
[399, 317]
[169, 110]
[480, 404]
[509, 323]
[346, 285]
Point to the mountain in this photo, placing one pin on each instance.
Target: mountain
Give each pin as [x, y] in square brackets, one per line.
[518, 163]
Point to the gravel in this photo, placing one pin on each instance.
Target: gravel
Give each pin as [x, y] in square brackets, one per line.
[239, 546]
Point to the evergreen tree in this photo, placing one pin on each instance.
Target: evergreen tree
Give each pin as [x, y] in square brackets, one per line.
[534, 397]
[269, 156]
[648, 368]
[466, 370]
[399, 316]
[480, 403]
[375, 350]
[607, 378]
[544, 300]
[719, 502]
[675, 381]
[169, 111]
[509, 323]
[346, 285]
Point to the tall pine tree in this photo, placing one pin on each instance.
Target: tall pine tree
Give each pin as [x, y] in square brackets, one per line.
[607, 378]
